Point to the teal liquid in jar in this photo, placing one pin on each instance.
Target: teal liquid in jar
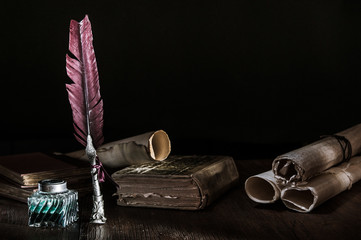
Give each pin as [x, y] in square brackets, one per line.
[53, 205]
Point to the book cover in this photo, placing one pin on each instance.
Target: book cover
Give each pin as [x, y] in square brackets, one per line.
[28, 169]
[20, 173]
[9, 190]
[180, 182]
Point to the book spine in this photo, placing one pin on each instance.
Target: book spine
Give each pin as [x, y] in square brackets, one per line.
[215, 179]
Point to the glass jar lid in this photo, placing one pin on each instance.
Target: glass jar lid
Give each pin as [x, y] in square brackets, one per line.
[52, 186]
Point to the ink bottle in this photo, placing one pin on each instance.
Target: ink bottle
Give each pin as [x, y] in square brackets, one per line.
[53, 204]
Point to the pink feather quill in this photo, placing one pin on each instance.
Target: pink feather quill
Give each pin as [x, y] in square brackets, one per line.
[86, 103]
[84, 92]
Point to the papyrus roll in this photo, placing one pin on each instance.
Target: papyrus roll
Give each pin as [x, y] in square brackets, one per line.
[307, 196]
[312, 159]
[134, 150]
[263, 188]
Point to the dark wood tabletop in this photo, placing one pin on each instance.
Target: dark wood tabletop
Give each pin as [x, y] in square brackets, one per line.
[233, 216]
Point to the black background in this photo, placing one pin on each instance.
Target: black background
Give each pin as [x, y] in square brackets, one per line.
[243, 78]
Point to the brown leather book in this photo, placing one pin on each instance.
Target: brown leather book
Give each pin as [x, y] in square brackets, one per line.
[9, 190]
[29, 168]
[180, 182]
[20, 173]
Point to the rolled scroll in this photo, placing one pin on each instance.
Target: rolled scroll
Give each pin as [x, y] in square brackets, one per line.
[134, 150]
[310, 160]
[305, 197]
[263, 188]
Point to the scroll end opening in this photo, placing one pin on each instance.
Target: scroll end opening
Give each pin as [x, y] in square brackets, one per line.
[159, 145]
[301, 200]
[286, 170]
[260, 190]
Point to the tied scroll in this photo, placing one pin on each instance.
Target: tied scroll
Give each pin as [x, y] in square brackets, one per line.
[139, 149]
[303, 163]
[306, 177]
[305, 197]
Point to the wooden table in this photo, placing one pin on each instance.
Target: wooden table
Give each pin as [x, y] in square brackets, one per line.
[233, 216]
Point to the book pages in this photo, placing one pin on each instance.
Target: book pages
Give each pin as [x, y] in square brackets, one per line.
[187, 182]
[139, 149]
[310, 160]
[263, 187]
[304, 197]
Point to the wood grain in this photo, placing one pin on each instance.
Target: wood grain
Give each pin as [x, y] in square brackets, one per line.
[233, 216]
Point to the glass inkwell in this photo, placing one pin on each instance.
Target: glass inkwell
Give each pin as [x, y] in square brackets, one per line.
[53, 204]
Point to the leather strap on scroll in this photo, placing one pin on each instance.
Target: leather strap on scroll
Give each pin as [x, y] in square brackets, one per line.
[344, 144]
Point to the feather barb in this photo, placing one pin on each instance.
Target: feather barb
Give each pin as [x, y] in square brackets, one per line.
[84, 93]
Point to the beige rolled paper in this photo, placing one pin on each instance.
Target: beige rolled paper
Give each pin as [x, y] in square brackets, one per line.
[139, 149]
[304, 198]
[263, 188]
[310, 160]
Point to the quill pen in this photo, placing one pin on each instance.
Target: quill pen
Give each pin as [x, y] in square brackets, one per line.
[86, 102]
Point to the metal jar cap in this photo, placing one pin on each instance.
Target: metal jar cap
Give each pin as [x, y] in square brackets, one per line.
[52, 186]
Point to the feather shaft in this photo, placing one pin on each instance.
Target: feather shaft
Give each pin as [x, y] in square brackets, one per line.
[86, 102]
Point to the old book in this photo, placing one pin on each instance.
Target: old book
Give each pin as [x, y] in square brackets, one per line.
[13, 191]
[20, 173]
[180, 182]
[9, 190]
[28, 169]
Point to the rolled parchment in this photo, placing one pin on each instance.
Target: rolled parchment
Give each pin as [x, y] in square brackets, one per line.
[305, 197]
[263, 188]
[310, 160]
[134, 150]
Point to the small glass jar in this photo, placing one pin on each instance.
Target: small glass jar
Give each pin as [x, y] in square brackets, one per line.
[53, 205]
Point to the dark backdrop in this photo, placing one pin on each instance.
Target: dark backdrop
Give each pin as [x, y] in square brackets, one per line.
[229, 77]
